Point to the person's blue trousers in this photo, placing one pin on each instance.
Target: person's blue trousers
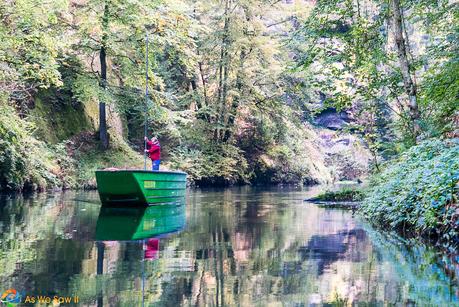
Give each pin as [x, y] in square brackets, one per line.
[155, 165]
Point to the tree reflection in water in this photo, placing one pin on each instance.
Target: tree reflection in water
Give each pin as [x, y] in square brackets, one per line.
[239, 246]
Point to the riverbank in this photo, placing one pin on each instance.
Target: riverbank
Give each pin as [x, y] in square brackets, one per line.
[29, 163]
[415, 194]
[418, 192]
[42, 152]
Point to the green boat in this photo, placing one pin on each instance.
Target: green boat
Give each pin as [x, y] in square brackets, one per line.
[138, 223]
[139, 187]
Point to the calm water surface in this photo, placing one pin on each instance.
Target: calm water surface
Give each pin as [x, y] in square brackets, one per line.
[240, 246]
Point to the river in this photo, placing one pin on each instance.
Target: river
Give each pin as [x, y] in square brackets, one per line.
[242, 246]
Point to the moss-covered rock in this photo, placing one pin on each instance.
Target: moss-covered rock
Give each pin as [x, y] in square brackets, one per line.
[57, 116]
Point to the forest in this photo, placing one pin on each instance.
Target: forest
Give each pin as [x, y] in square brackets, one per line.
[240, 92]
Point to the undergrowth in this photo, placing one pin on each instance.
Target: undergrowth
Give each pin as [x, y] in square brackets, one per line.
[418, 191]
[346, 194]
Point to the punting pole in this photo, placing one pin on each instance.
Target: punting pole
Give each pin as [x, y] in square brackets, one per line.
[146, 103]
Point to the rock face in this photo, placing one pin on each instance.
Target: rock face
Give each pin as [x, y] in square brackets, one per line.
[346, 155]
[331, 119]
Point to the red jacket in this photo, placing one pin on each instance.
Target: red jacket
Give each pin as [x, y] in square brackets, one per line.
[153, 150]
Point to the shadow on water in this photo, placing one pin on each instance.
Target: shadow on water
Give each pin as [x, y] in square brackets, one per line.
[239, 246]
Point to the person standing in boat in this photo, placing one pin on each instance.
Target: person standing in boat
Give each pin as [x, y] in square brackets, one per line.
[154, 152]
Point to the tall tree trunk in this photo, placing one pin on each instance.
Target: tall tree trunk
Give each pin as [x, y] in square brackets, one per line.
[198, 100]
[103, 134]
[410, 87]
[223, 73]
[204, 83]
[229, 124]
[205, 102]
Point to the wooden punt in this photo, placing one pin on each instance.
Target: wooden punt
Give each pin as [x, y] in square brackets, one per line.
[139, 187]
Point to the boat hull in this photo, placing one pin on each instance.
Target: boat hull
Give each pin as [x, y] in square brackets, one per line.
[138, 187]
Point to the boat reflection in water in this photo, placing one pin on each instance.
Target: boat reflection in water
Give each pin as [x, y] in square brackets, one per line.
[145, 225]
[140, 223]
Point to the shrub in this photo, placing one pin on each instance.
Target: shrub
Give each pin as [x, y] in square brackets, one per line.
[294, 158]
[346, 194]
[189, 160]
[223, 164]
[418, 191]
[25, 163]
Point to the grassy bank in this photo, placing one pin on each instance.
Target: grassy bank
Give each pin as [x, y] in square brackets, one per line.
[343, 195]
[88, 157]
[418, 192]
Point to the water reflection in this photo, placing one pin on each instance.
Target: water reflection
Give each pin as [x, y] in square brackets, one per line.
[143, 224]
[325, 250]
[134, 223]
[240, 246]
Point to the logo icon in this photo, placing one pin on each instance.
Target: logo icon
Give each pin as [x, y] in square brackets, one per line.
[11, 297]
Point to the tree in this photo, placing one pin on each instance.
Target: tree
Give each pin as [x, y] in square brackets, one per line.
[401, 46]
[114, 31]
[103, 135]
[247, 66]
[29, 55]
[348, 57]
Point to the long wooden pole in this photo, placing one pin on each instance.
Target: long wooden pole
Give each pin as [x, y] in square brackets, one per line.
[146, 103]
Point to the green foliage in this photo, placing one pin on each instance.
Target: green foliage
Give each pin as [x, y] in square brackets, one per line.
[29, 164]
[123, 37]
[26, 163]
[30, 54]
[289, 163]
[189, 160]
[281, 149]
[221, 165]
[347, 59]
[230, 87]
[440, 100]
[89, 158]
[418, 191]
[439, 90]
[346, 194]
[346, 54]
